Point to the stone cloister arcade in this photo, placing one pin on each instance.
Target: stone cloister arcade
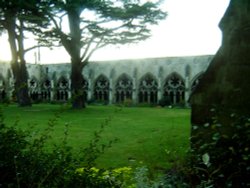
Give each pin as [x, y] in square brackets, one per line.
[139, 81]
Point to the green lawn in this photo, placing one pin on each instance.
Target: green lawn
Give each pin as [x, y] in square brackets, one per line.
[155, 136]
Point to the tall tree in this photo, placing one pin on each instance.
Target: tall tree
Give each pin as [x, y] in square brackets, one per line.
[18, 18]
[220, 103]
[93, 24]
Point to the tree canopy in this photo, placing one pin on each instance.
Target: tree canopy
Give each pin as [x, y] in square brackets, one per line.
[95, 24]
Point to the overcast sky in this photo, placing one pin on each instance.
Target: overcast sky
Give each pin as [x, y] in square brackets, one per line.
[191, 28]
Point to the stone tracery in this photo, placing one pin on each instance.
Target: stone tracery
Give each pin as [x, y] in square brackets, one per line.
[114, 82]
[123, 88]
[62, 89]
[174, 89]
[101, 89]
[148, 88]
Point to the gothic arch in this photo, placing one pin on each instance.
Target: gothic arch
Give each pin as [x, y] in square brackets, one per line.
[34, 88]
[123, 88]
[174, 88]
[101, 88]
[196, 81]
[62, 88]
[46, 87]
[148, 89]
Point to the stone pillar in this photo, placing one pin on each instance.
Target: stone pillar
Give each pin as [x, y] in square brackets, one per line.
[89, 89]
[69, 89]
[187, 90]
[110, 91]
[159, 91]
[134, 92]
[52, 89]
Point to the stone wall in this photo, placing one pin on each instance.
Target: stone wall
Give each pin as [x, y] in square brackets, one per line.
[140, 80]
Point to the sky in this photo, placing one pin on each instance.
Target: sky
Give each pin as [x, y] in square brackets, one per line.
[191, 28]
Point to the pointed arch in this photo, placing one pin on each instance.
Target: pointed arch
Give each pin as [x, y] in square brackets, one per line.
[174, 88]
[148, 89]
[123, 88]
[196, 81]
[62, 88]
[46, 87]
[34, 88]
[101, 88]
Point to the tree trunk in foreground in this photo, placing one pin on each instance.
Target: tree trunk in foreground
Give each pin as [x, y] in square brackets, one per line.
[18, 67]
[225, 86]
[21, 87]
[220, 104]
[78, 100]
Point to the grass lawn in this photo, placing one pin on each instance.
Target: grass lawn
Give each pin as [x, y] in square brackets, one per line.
[158, 137]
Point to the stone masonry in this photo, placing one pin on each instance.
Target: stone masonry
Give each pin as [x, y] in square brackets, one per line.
[138, 80]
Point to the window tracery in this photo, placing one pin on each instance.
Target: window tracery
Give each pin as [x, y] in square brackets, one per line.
[123, 88]
[148, 88]
[62, 89]
[174, 89]
[101, 89]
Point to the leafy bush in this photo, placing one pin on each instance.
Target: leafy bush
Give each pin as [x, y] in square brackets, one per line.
[26, 161]
[224, 161]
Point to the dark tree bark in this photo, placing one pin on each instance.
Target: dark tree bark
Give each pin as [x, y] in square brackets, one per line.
[221, 106]
[18, 65]
[225, 85]
[73, 47]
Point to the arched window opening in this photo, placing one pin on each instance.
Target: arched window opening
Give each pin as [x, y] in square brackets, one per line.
[174, 89]
[148, 88]
[101, 89]
[46, 90]
[62, 89]
[196, 82]
[33, 89]
[123, 88]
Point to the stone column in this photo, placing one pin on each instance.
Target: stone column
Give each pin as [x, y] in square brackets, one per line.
[110, 91]
[187, 90]
[134, 92]
[52, 90]
[69, 89]
[89, 89]
[159, 91]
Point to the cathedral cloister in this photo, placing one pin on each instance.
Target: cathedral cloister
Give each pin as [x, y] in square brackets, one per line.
[138, 80]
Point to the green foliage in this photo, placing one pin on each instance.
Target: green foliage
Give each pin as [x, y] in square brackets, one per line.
[25, 160]
[144, 133]
[224, 160]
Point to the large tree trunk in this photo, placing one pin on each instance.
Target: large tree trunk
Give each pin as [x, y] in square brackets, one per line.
[18, 67]
[224, 92]
[21, 87]
[73, 47]
[225, 85]
[78, 101]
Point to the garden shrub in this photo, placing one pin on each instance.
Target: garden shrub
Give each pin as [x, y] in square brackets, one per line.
[26, 161]
[224, 161]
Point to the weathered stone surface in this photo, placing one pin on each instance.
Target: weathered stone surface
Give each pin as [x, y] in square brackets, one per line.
[226, 83]
[188, 69]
